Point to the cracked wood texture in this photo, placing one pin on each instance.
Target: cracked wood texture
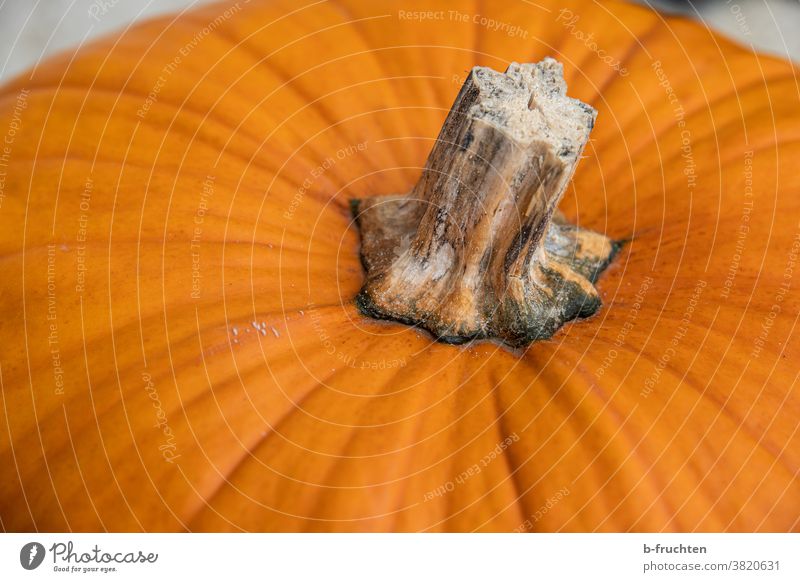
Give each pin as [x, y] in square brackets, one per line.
[473, 250]
[341, 422]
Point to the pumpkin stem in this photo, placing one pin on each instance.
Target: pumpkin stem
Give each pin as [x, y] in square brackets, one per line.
[477, 249]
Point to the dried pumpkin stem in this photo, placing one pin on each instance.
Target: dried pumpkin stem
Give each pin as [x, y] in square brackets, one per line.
[477, 249]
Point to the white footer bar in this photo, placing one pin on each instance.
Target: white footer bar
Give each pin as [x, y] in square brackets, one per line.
[401, 557]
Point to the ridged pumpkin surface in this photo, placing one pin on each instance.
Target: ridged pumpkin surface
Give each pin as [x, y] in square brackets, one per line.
[166, 188]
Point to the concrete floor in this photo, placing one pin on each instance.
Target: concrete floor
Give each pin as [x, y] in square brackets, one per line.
[33, 29]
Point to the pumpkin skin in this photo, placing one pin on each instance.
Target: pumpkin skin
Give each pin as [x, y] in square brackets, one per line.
[334, 422]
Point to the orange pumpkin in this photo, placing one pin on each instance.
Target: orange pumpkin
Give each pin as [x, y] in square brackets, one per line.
[181, 350]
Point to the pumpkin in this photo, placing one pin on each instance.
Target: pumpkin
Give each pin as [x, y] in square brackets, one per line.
[182, 350]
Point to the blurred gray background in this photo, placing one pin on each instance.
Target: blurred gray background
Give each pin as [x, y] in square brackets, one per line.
[33, 29]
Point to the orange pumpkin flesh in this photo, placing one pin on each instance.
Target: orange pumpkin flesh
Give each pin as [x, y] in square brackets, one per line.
[287, 431]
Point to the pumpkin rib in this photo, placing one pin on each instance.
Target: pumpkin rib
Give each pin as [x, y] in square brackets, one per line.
[638, 40]
[166, 168]
[760, 271]
[190, 525]
[318, 504]
[180, 341]
[14, 454]
[373, 425]
[64, 446]
[600, 526]
[341, 121]
[161, 377]
[634, 453]
[120, 388]
[180, 19]
[223, 272]
[342, 205]
[774, 505]
[740, 422]
[589, 465]
[691, 113]
[724, 45]
[766, 514]
[80, 472]
[182, 107]
[657, 483]
[758, 442]
[305, 97]
[210, 145]
[681, 80]
[394, 525]
[297, 407]
[250, 450]
[492, 493]
[639, 10]
[775, 206]
[270, 433]
[496, 427]
[770, 143]
[104, 128]
[541, 446]
[30, 378]
[186, 406]
[557, 49]
[621, 382]
[636, 194]
[348, 16]
[319, 384]
[227, 482]
[350, 9]
[502, 432]
[701, 394]
[722, 409]
[640, 440]
[135, 96]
